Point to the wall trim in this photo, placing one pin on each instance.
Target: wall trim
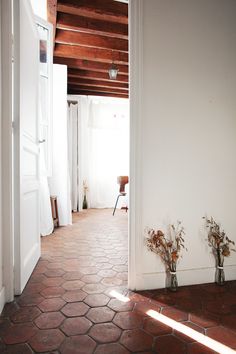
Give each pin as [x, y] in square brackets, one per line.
[136, 89]
[2, 299]
[6, 140]
[198, 276]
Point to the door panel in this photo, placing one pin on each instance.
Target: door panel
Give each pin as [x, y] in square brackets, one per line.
[26, 146]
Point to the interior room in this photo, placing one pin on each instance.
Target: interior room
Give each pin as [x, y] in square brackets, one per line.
[117, 174]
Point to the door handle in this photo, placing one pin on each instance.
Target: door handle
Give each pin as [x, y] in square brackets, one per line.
[42, 141]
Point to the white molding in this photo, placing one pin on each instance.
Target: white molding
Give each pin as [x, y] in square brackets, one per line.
[185, 277]
[2, 299]
[136, 90]
[7, 217]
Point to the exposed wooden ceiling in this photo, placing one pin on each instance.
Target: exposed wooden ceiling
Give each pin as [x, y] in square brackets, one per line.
[89, 35]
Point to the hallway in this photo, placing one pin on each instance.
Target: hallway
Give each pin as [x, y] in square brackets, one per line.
[77, 301]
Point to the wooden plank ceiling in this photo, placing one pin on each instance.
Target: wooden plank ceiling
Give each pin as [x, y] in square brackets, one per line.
[89, 35]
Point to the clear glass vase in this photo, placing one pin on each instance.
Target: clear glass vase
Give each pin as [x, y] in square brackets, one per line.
[173, 282]
[220, 274]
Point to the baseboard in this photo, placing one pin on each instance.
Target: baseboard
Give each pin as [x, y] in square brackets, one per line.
[185, 277]
[2, 299]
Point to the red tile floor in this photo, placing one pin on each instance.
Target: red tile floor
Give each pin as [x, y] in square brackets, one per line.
[67, 306]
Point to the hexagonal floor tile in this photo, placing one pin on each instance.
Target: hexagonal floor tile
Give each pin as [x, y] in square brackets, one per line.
[128, 320]
[192, 326]
[197, 348]
[96, 300]
[57, 281]
[169, 344]
[175, 314]
[25, 314]
[89, 270]
[229, 321]
[137, 340]
[105, 332]
[100, 314]
[73, 285]
[93, 288]
[74, 275]
[30, 300]
[223, 335]
[111, 281]
[74, 296]
[77, 345]
[119, 306]
[106, 273]
[156, 328]
[74, 309]
[53, 291]
[18, 349]
[19, 333]
[49, 320]
[204, 319]
[113, 348]
[50, 305]
[51, 273]
[91, 279]
[47, 340]
[75, 326]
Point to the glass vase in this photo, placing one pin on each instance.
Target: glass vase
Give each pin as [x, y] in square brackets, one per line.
[173, 282]
[85, 203]
[220, 274]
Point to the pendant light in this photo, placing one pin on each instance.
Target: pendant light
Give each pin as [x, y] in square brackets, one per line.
[113, 71]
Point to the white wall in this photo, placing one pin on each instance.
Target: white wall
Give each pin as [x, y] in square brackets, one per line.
[186, 140]
[40, 8]
[59, 182]
[1, 239]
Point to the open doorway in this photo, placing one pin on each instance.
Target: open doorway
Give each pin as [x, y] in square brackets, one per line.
[90, 126]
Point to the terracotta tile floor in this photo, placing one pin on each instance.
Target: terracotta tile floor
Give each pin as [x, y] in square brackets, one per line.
[67, 306]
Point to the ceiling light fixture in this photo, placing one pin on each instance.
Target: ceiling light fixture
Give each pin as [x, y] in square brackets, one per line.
[113, 71]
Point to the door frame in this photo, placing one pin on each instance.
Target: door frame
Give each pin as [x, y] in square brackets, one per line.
[7, 151]
[136, 83]
[135, 245]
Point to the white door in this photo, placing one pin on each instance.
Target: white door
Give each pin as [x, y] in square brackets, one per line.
[26, 144]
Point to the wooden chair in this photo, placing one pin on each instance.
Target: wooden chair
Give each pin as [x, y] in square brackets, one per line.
[122, 181]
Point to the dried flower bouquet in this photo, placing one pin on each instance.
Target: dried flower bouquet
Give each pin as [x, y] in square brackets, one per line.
[221, 245]
[168, 248]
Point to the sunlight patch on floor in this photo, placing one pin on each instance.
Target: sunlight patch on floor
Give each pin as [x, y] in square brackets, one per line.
[119, 296]
[199, 337]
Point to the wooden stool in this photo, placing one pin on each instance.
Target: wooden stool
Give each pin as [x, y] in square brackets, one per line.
[55, 218]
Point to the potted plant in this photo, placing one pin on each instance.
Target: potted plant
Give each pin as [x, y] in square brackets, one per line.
[169, 249]
[221, 246]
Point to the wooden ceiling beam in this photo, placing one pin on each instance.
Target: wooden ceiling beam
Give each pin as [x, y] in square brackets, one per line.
[90, 65]
[52, 15]
[91, 93]
[90, 25]
[86, 82]
[84, 53]
[91, 40]
[97, 89]
[103, 10]
[95, 75]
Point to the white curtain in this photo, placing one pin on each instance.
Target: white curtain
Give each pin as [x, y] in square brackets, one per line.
[73, 154]
[59, 183]
[103, 148]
